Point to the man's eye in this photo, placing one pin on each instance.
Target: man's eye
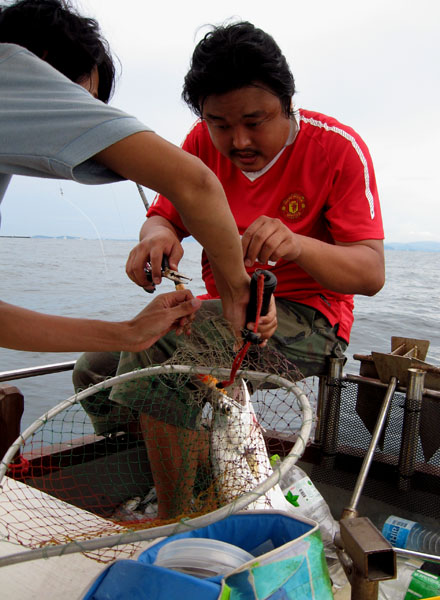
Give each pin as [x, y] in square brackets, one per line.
[254, 124]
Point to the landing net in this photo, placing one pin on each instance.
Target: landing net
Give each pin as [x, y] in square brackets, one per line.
[66, 489]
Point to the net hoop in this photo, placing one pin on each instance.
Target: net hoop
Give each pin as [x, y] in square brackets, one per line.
[130, 536]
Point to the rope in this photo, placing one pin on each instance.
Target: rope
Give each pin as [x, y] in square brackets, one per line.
[19, 468]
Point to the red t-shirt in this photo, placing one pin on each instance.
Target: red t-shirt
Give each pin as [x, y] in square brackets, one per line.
[322, 186]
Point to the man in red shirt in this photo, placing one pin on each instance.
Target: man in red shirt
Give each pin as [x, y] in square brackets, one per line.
[302, 190]
[300, 185]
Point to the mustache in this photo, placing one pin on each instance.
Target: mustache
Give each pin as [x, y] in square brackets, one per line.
[248, 151]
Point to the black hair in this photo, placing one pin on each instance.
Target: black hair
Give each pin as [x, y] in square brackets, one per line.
[233, 56]
[55, 32]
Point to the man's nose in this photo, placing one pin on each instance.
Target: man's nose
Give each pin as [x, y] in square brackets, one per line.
[241, 138]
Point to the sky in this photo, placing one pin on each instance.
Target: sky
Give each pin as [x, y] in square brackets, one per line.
[372, 65]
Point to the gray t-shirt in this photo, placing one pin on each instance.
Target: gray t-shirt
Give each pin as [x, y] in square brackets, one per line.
[51, 127]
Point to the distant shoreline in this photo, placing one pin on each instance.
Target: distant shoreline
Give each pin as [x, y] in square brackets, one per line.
[413, 246]
[404, 246]
[68, 237]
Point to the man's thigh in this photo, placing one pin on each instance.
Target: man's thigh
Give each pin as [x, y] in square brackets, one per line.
[306, 338]
[94, 367]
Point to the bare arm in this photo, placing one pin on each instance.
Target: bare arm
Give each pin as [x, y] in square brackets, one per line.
[356, 268]
[157, 237]
[199, 197]
[22, 329]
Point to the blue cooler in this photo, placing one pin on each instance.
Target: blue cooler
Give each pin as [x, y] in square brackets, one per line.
[288, 564]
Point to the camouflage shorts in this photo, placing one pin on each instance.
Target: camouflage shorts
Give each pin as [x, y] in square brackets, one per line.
[304, 340]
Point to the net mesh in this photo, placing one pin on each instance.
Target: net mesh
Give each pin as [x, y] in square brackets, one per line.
[175, 447]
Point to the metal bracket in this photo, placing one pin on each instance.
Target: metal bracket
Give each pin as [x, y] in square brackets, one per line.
[372, 555]
[405, 353]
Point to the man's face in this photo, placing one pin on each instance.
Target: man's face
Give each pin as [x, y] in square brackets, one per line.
[247, 125]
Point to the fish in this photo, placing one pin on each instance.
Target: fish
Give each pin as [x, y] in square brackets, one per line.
[238, 451]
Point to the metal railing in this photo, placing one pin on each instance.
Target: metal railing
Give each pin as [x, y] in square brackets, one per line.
[35, 371]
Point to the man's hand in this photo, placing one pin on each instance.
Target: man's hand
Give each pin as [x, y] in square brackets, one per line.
[346, 268]
[23, 329]
[267, 240]
[266, 325]
[173, 310]
[156, 240]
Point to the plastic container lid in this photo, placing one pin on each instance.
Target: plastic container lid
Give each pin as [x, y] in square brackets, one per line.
[201, 557]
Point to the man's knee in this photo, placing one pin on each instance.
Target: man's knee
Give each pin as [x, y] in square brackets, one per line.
[94, 367]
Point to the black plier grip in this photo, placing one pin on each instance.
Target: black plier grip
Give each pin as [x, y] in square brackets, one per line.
[175, 276]
[270, 283]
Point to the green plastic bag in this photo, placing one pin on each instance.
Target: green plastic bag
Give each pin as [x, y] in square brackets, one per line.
[295, 570]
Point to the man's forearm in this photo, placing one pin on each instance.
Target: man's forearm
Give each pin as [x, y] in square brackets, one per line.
[194, 191]
[346, 268]
[155, 223]
[22, 329]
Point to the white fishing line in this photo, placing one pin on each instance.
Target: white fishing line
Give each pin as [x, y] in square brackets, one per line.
[86, 216]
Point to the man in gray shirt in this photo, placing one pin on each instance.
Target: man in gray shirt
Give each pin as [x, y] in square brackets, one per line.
[56, 74]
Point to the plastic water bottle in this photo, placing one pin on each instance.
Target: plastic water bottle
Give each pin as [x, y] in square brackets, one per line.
[308, 501]
[403, 533]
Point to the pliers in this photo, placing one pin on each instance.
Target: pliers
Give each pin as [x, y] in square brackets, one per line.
[179, 278]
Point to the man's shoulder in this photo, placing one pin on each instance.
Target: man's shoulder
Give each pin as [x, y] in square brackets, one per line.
[22, 65]
[198, 131]
[198, 141]
[9, 50]
[317, 122]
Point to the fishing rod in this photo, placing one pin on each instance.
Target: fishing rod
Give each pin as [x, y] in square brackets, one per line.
[143, 196]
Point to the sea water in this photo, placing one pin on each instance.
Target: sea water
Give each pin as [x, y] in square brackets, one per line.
[86, 278]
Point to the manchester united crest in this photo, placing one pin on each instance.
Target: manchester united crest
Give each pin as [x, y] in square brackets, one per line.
[293, 207]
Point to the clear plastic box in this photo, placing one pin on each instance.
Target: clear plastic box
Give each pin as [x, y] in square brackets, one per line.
[201, 557]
